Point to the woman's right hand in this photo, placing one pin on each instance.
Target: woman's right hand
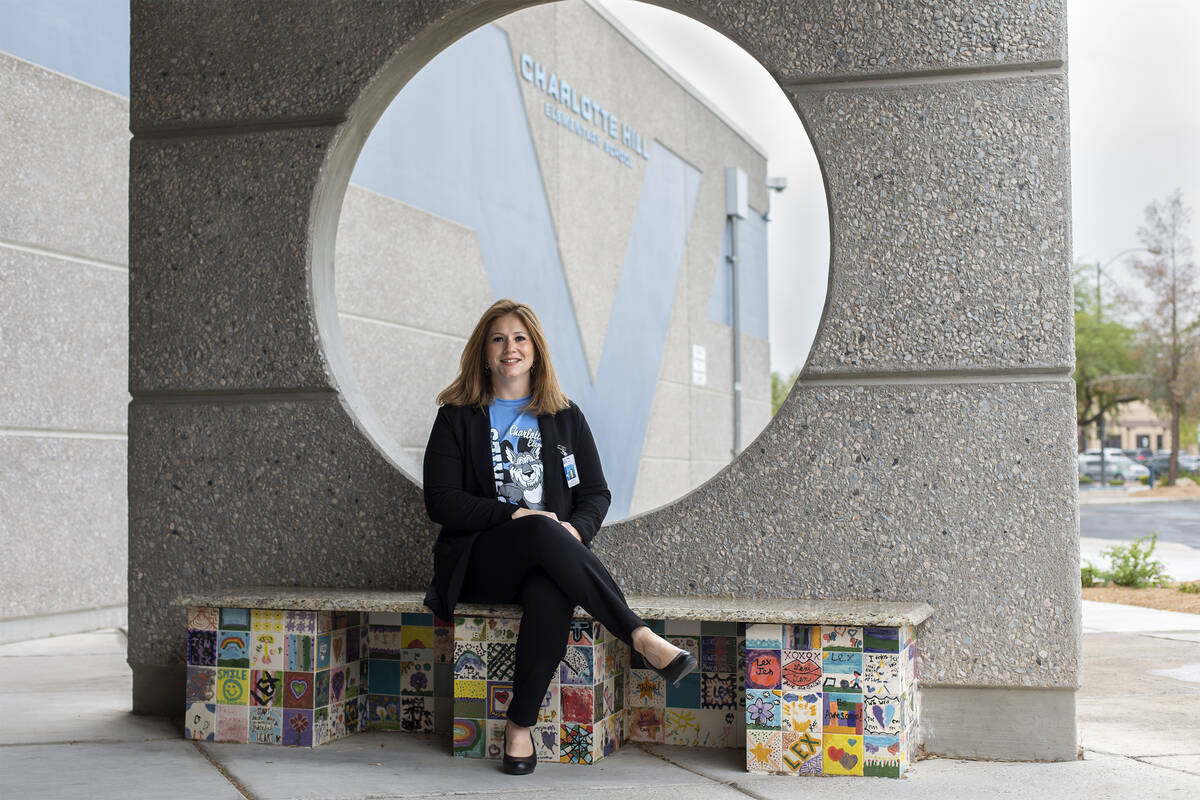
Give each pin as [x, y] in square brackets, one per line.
[525, 512]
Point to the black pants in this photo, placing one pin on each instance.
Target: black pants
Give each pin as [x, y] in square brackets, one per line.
[536, 562]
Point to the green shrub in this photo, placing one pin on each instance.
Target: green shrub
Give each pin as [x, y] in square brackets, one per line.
[1144, 480]
[1190, 587]
[1116, 480]
[1132, 565]
[1084, 479]
[1089, 575]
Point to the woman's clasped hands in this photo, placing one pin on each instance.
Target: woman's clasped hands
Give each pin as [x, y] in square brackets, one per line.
[525, 512]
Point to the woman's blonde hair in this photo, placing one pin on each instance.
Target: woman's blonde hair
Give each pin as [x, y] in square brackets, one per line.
[473, 386]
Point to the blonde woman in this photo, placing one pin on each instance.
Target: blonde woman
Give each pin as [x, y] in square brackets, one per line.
[513, 477]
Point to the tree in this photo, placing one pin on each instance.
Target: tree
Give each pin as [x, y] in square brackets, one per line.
[1170, 315]
[1105, 355]
[780, 386]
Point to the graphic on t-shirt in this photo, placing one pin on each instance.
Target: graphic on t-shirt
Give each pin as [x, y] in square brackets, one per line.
[521, 477]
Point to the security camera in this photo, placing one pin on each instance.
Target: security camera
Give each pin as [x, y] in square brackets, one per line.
[778, 183]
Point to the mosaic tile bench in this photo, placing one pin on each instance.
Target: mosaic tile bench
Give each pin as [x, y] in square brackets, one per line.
[806, 687]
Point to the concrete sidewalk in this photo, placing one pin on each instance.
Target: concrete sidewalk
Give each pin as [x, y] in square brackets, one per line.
[67, 733]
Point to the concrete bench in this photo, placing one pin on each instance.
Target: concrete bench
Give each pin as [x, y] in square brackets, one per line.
[806, 687]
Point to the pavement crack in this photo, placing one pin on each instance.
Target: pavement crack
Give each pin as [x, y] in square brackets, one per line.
[224, 773]
[731, 784]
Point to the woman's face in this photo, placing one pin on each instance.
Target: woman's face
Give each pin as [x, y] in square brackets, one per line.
[509, 351]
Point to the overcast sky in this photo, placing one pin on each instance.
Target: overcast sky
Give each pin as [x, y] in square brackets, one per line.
[1135, 136]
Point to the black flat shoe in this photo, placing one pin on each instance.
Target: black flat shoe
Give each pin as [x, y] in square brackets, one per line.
[518, 765]
[680, 665]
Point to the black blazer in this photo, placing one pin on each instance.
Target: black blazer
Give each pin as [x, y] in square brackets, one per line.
[460, 492]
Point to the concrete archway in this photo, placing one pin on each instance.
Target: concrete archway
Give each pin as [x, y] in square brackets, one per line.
[924, 454]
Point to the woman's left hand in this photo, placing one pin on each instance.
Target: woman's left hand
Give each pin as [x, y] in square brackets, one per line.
[571, 529]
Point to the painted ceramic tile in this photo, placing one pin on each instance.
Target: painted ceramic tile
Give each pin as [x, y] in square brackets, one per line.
[687, 693]
[202, 648]
[718, 654]
[266, 725]
[881, 756]
[575, 744]
[203, 619]
[801, 637]
[298, 727]
[384, 711]
[470, 661]
[324, 622]
[200, 721]
[300, 622]
[337, 720]
[387, 676]
[234, 619]
[476, 690]
[500, 629]
[801, 670]
[469, 629]
[714, 628]
[321, 689]
[443, 645]
[233, 686]
[576, 666]
[841, 671]
[201, 684]
[646, 724]
[301, 652]
[606, 739]
[718, 728]
[802, 712]
[681, 627]
[577, 704]
[386, 641]
[354, 716]
[266, 688]
[265, 620]
[501, 660]
[499, 695]
[266, 650]
[681, 726]
[416, 618]
[337, 685]
[233, 649]
[298, 689]
[842, 713]
[417, 637]
[233, 724]
[417, 672]
[321, 728]
[763, 751]
[545, 741]
[579, 633]
[764, 636]
[338, 620]
[843, 755]
[337, 649]
[353, 644]
[881, 675]
[470, 738]
[323, 651]
[801, 753]
[763, 709]
[494, 738]
[840, 637]
[416, 714]
[883, 715]
[881, 640]
[719, 690]
[551, 708]
[763, 669]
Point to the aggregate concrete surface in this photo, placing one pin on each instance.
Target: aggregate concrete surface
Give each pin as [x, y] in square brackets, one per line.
[68, 732]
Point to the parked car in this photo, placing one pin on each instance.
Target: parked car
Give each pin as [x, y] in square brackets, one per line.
[1161, 462]
[1140, 454]
[1116, 465]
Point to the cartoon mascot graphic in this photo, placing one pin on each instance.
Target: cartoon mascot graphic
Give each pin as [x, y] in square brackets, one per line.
[524, 472]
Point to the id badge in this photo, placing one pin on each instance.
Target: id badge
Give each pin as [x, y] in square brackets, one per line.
[569, 469]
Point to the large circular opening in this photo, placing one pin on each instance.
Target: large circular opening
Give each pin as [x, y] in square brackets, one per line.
[636, 178]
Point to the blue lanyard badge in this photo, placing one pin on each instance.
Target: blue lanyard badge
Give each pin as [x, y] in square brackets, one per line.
[569, 469]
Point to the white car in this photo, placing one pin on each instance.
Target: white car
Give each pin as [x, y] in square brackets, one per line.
[1116, 465]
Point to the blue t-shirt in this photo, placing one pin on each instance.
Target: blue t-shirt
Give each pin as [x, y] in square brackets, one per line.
[516, 453]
